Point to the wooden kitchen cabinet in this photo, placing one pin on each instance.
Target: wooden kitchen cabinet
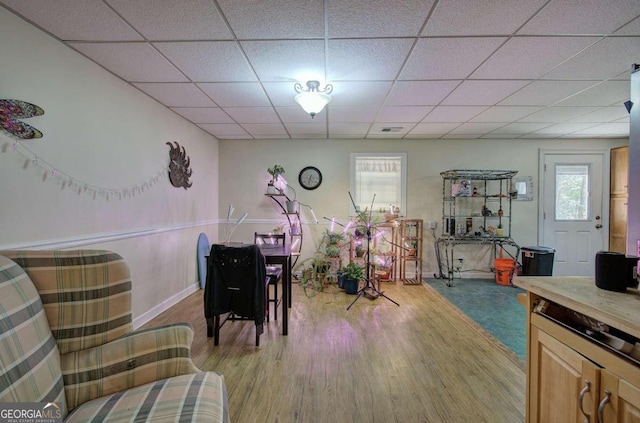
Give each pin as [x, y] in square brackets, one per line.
[562, 380]
[572, 376]
[619, 399]
[618, 199]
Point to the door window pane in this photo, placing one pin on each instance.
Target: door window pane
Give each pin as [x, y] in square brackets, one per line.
[572, 192]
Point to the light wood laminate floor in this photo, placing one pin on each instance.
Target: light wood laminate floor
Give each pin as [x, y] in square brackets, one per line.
[420, 362]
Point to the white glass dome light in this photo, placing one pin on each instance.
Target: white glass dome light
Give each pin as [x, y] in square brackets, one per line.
[313, 99]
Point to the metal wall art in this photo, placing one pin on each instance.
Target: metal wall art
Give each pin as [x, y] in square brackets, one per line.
[179, 171]
[10, 110]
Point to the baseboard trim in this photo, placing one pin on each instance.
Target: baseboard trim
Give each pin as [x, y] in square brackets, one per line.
[165, 305]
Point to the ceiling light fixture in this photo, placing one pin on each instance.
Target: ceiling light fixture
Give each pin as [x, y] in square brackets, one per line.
[313, 99]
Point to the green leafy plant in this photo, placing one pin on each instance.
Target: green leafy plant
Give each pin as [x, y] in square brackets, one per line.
[332, 243]
[275, 171]
[353, 270]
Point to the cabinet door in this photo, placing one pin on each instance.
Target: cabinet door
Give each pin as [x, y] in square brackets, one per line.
[618, 224]
[619, 170]
[563, 384]
[619, 400]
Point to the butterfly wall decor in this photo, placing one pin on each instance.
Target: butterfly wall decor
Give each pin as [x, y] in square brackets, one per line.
[11, 110]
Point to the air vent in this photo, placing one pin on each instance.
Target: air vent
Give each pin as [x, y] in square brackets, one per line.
[392, 129]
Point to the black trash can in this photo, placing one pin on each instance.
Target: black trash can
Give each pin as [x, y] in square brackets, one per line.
[537, 261]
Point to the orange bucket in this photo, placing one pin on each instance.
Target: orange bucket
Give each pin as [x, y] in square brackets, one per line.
[503, 268]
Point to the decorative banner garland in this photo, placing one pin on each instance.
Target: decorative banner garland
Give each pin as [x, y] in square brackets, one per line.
[51, 173]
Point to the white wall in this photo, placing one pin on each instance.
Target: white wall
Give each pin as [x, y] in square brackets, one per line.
[104, 133]
[243, 179]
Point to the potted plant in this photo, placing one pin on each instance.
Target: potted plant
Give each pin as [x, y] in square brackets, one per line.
[275, 172]
[320, 265]
[351, 274]
[333, 243]
[384, 265]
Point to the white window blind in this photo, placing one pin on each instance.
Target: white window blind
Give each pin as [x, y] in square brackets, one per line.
[378, 178]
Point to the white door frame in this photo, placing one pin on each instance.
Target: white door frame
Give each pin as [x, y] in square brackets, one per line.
[606, 176]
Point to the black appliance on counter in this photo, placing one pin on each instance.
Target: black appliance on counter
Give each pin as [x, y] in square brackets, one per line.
[616, 271]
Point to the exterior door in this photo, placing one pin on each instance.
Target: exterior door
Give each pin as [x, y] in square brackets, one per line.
[574, 213]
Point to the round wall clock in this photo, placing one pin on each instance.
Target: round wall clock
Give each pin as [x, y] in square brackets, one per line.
[310, 177]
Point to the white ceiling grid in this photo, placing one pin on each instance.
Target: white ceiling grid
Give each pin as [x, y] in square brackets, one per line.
[430, 69]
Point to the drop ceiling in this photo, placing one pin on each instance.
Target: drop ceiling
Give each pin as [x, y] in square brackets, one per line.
[516, 69]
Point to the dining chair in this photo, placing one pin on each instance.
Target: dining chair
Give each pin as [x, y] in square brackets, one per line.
[274, 273]
[236, 285]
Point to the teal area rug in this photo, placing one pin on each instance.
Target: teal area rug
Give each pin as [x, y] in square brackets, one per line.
[492, 306]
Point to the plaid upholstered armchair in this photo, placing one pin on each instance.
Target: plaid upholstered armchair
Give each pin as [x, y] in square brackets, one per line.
[66, 337]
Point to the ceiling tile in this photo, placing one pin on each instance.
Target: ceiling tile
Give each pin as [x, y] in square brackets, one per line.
[606, 114]
[252, 114]
[345, 129]
[419, 93]
[422, 136]
[265, 19]
[204, 61]
[373, 18]
[375, 59]
[313, 130]
[448, 58]
[340, 114]
[606, 129]
[281, 93]
[433, 128]
[543, 54]
[176, 94]
[403, 113]
[603, 94]
[236, 94]
[476, 128]
[203, 114]
[225, 130]
[542, 93]
[561, 129]
[440, 63]
[189, 20]
[504, 113]
[582, 17]
[632, 28]
[78, 20]
[482, 92]
[287, 60]
[519, 128]
[480, 17]
[557, 114]
[259, 130]
[454, 113]
[352, 93]
[134, 62]
[605, 59]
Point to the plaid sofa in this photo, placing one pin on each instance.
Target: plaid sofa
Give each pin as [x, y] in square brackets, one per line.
[66, 337]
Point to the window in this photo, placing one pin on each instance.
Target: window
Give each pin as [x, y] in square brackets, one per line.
[572, 192]
[378, 181]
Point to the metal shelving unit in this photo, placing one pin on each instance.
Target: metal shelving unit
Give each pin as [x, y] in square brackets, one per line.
[295, 226]
[476, 210]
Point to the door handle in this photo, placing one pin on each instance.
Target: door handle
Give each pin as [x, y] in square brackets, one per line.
[585, 390]
[598, 226]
